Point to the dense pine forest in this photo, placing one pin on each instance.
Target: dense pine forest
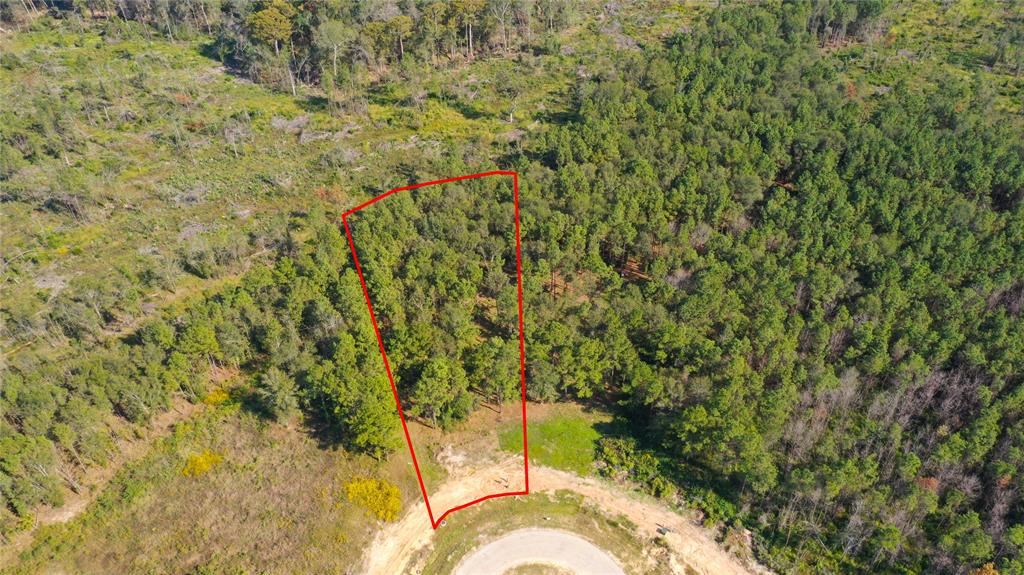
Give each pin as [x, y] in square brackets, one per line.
[784, 249]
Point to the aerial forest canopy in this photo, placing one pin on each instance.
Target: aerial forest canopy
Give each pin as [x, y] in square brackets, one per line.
[832, 336]
[439, 263]
[800, 294]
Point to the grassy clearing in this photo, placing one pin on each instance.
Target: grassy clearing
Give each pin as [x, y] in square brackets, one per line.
[230, 492]
[564, 510]
[434, 474]
[273, 500]
[563, 437]
[930, 42]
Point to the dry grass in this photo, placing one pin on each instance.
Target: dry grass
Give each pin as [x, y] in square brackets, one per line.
[275, 503]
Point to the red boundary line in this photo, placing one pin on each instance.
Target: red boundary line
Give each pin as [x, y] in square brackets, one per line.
[434, 523]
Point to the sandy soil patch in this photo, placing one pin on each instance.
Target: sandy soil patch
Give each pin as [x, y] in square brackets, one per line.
[691, 545]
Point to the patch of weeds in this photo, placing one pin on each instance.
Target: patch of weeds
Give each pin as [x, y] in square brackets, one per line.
[563, 440]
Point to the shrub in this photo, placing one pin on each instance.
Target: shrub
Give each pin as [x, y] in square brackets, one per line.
[621, 459]
[380, 498]
[277, 393]
[201, 463]
[216, 397]
[716, 509]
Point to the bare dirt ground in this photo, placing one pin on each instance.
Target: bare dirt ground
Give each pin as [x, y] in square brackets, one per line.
[692, 546]
[475, 482]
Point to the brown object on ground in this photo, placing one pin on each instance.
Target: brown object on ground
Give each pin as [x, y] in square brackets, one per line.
[632, 270]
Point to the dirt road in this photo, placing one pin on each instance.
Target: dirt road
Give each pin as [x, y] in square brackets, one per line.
[544, 546]
[691, 545]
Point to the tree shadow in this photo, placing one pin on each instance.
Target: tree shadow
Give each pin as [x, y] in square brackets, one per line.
[483, 400]
[314, 104]
[557, 117]
[209, 50]
[617, 427]
[407, 171]
[467, 110]
[247, 399]
[327, 434]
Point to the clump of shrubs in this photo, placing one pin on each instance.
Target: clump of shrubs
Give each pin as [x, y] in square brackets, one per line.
[379, 498]
[621, 459]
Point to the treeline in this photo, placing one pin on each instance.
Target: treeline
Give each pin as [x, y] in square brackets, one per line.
[301, 325]
[335, 44]
[806, 295]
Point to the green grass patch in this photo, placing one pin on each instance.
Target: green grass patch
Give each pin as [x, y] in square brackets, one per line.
[566, 439]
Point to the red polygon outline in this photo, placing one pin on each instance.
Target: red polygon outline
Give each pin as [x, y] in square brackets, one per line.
[387, 366]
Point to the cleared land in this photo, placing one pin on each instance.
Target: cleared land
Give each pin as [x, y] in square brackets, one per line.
[407, 546]
[273, 500]
[280, 478]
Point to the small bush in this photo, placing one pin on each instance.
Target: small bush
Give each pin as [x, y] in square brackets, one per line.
[216, 397]
[277, 393]
[380, 498]
[716, 508]
[201, 463]
[622, 459]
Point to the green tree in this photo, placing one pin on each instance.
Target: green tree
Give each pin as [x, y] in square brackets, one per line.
[494, 369]
[441, 393]
[335, 37]
[467, 12]
[401, 27]
[199, 339]
[277, 393]
[965, 540]
[272, 23]
[25, 467]
[372, 420]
